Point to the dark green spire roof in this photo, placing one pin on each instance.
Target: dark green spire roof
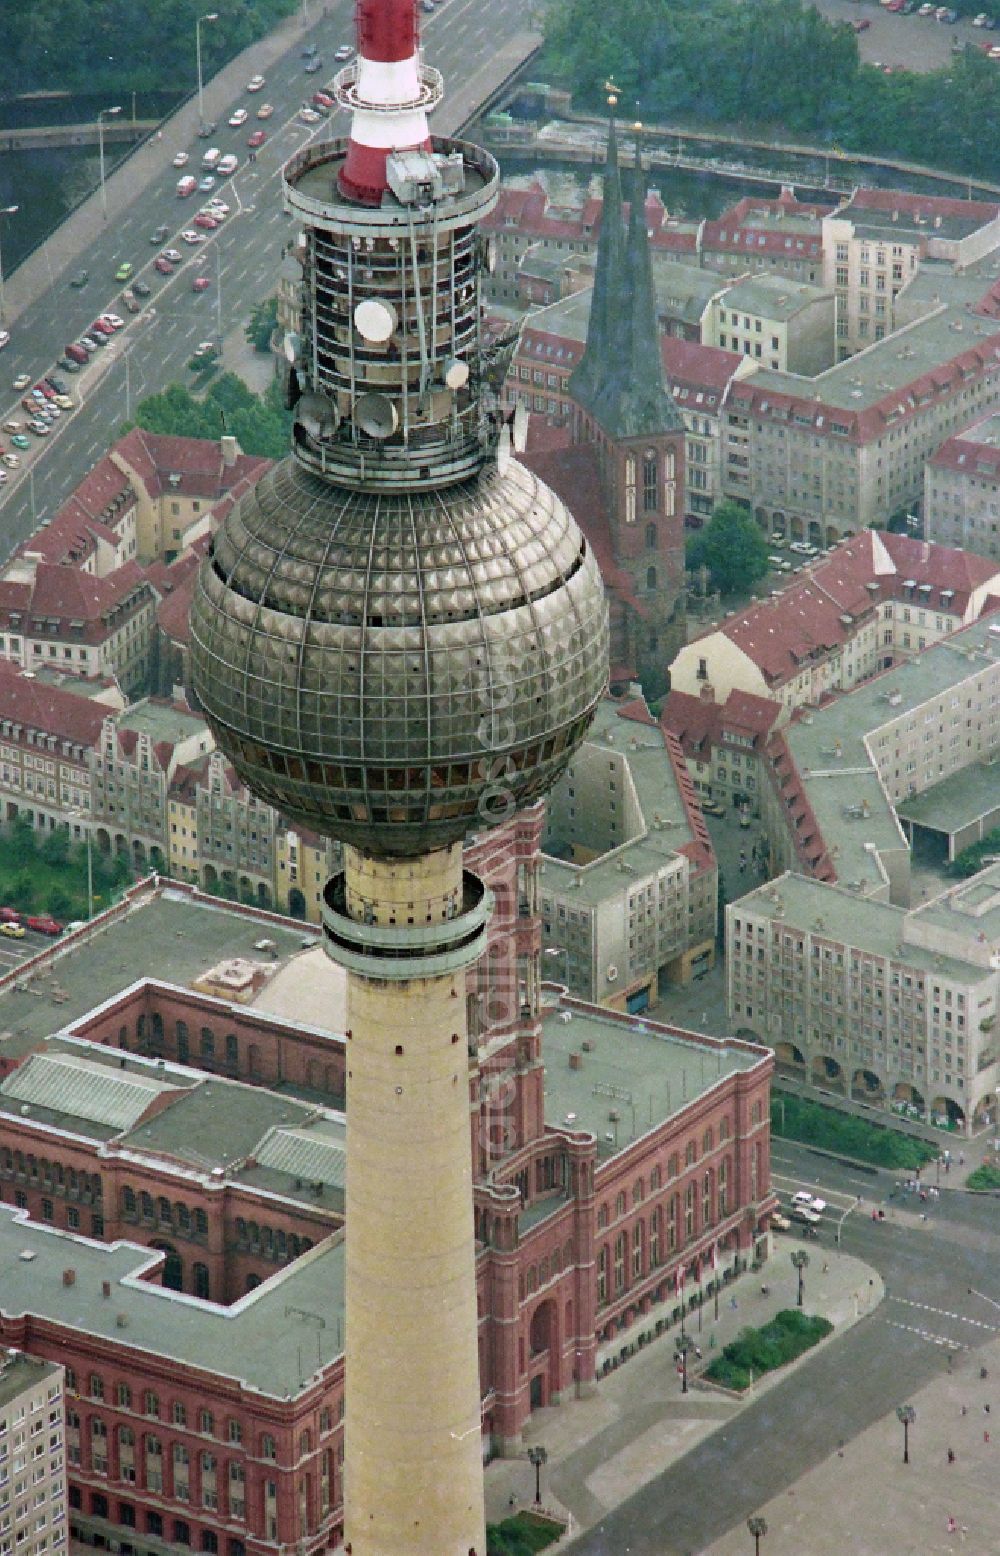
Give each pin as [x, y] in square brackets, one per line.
[619, 379]
[586, 380]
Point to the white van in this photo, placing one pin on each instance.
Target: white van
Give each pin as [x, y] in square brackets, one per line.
[228, 164]
[186, 186]
[210, 160]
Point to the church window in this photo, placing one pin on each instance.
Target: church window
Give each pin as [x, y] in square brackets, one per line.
[630, 489]
[649, 482]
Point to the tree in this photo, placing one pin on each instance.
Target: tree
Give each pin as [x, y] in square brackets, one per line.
[262, 323]
[55, 847]
[22, 891]
[260, 423]
[732, 547]
[59, 903]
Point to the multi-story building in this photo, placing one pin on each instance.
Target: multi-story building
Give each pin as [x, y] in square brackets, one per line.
[781, 236]
[135, 760]
[872, 247]
[876, 600]
[33, 1512]
[195, 1121]
[962, 489]
[785, 325]
[629, 881]
[725, 743]
[47, 738]
[82, 623]
[874, 1001]
[177, 484]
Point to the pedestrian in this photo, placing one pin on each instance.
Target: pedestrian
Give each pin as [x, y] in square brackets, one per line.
[826, 1268]
[951, 1455]
[986, 1437]
[952, 1526]
[947, 1166]
[733, 1303]
[961, 1158]
[840, 1449]
[965, 1410]
[986, 1410]
[512, 1500]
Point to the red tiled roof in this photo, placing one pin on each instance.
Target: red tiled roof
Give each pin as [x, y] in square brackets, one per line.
[35, 705]
[689, 365]
[198, 461]
[924, 205]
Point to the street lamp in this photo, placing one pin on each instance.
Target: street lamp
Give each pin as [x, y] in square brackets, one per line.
[907, 1415]
[5, 210]
[79, 815]
[537, 1457]
[685, 1344]
[109, 113]
[210, 16]
[757, 1527]
[800, 1262]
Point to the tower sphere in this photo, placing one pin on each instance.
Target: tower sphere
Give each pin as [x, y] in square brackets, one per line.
[399, 669]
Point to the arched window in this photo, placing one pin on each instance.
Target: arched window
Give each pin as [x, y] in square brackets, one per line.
[207, 1043]
[146, 1206]
[673, 1166]
[629, 488]
[621, 1253]
[650, 537]
[655, 1227]
[724, 1187]
[724, 1128]
[201, 1283]
[305, 1443]
[183, 1042]
[672, 1210]
[650, 577]
[267, 1448]
[602, 1216]
[232, 1050]
[707, 1142]
[620, 1205]
[689, 1211]
[128, 1201]
[637, 1245]
[602, 1276]
[691, 1154]
[165, 1212]
[650, 494]
[655, 1179]
[706, 1199]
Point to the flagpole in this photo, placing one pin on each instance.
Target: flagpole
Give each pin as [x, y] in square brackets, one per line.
[681, 1279]
[715, 1277]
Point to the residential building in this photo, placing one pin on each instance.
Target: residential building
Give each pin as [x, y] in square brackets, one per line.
[629, 881]
[725, 744]
[178, 482]
[33, 1519]
[781, 236]
[47, 738]
[871, 1000]
[961, 504]
[136, 758]
[789, 326]
[877, 599]
[82, 623]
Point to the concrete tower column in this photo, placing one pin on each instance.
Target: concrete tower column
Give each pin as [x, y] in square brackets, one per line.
[406, 930]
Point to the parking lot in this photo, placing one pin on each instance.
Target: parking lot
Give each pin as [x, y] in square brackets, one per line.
[911, 42]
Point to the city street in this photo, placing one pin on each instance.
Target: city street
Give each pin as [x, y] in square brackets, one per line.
[240, 259]
[927, 1266]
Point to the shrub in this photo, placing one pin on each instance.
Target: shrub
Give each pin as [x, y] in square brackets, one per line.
[798, 1118]
[756, 1351]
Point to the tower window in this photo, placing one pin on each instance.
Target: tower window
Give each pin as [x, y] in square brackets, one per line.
[650, 537]
[630, 489]
[650, 577]
[649, 482]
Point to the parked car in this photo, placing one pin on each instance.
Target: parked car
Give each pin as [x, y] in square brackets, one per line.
[200, 284]
[55, 383]
[20, 441]
[309, 115]
[9, 916]
[41, 429]
[97, 338]
[131, 302]
[64, 402]
[141, 288]
[861, 24]
[114, 319]
[11, 461]
[11, 930]
[68, 365]
[44, 924]
[77, 354]
[190, 236]
[207, 222]
[124, 271]
[712, 808]
[11, 426]
[21, 381]
[157, 237]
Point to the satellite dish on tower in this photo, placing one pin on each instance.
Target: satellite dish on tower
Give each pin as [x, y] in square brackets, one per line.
[456, 373]
[375, 319]
[519, 428]
[376, 415]
[503, 450]
[317, 415]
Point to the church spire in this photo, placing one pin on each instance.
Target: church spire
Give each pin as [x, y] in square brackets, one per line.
[587, 379]
[644, 405]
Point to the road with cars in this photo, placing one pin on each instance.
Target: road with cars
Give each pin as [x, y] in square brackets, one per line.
[942, 1281]
[239, 259]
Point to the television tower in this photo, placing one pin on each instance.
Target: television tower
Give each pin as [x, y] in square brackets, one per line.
[399, 638]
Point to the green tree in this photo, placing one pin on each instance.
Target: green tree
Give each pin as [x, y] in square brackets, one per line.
[732, 547]
[262, 323]
[260, 423]
[22, 892]
[23, 843]
[55, 847]
[59, 902]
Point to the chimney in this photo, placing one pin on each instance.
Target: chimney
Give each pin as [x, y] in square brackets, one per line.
[105, 1288]
[230, 449]
[69, 1277]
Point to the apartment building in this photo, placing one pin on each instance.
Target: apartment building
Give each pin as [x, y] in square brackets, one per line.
[785, 325]
[177, 483]
[135, 760]
[874, 601]
[890, 1006]
[79, 622]
[873, 246]
[33, 1498]
[628, 880]
[962, 489]
[781, 236]
[724, 743]
[47, 736]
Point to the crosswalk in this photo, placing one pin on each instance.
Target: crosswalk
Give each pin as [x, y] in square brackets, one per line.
[939, 1317]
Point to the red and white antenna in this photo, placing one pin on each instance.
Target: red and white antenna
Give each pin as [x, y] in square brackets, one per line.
[389, 92]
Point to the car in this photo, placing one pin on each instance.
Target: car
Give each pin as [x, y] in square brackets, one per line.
[158, 236]
[808, 1217]
[44, 924]
[174, 255]
[181, 159]
[980, 20]
[206, 222]
[186, 186]
[124, 271]
[256, 139]
[344, 52]
[255, 84]
[228, 165]
[65, 403]
[712, 808]
[41, 429]
[11, 426]
[55, 383]
[927, 9]
[11, 460]
[130, 300]
[101, 327]
[29, 403]
[861, 24]
[206, 183]
[265, 110]
[140, 288]
[207, 130]
[217, 208]
[80, 279]
[68, 365]
[428, 6]
[44, 391]
[309, 115]
[807, 1198]
[190, 236]
[21, 381]
[323, 100]
[20, 441]
[163, 265]
[200, 284]
[114, 319]
[96, 338]
[239, 118]
[11, 930]
[313, 64]
[777, 538]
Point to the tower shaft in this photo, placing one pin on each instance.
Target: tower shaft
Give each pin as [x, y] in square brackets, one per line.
[406, 930]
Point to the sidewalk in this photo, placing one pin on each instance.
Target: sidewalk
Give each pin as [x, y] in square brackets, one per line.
[601, 1450]
[62, 250]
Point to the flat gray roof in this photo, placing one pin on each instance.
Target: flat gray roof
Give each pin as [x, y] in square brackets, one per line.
[164, 721]
[957, 801]
[973, 906]
[272, 1340]
[168, 934]
[19, 1372]
[773, 297]
[641, 1069]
